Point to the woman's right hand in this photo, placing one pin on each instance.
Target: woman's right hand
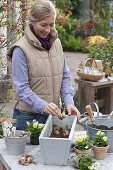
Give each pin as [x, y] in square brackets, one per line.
[53, 110]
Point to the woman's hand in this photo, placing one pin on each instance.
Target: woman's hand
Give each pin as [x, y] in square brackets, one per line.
[72, 110]
[53, 109]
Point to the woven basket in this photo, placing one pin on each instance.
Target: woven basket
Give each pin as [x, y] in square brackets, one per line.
[91, 77]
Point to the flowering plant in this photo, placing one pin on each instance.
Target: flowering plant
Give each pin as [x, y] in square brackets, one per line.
[101, 48]
[85, 162]
[100, 139]
[8, 126]
[34, 128]
[83, 142]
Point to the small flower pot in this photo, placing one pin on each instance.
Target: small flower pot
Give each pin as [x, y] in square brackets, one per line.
[82, 152]
[15, 145]
[100, 152]
[34, 140]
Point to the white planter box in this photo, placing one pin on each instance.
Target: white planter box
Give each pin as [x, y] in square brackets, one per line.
[56, 151]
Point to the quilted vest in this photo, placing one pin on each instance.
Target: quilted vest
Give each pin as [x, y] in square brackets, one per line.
[45, 68]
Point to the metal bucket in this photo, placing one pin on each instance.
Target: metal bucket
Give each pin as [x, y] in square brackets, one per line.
[100, 121]
[92, 131]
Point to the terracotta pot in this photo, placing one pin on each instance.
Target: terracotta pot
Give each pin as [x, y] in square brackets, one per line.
[82, 152]
[100, 152]
[34, 140]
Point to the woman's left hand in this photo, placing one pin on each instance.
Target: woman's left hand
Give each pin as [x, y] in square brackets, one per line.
[72, 110]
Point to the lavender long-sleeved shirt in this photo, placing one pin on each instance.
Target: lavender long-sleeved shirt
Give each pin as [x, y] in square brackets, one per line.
[22, 87]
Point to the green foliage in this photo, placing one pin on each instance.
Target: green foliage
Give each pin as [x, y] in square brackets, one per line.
[101, 8]
[34, 128]
[102, 26]
[66, 33]
[102, 52]
[84, 162]
[102, 15]
[100, 139]
[67, 5]
[73, 44]
[1, 131]
[10, 93]
[83, 142]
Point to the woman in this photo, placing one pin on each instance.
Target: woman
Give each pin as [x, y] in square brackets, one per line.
[39, 71]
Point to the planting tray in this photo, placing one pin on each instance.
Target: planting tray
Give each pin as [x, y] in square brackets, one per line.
[56, 151]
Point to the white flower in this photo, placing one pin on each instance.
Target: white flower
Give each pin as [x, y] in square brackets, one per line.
[86, 147]
[28, 123]
[85, 136]
[99, 132]
[79, 138]
[4, 132]
[10, 125]
[5, 124]
[13, 129]
[105, 138]
[35, 120]
[35, 124]
[40, 125]
[94, 166]
[8, 132]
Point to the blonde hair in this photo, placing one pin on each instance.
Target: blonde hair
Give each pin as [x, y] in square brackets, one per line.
[42, 9]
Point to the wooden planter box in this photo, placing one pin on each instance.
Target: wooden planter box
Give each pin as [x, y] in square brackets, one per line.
[56, 151]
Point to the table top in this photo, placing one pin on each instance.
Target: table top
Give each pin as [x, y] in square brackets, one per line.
[11, 162]
[102, 82]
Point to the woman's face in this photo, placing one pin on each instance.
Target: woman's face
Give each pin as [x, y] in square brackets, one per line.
[44, 27]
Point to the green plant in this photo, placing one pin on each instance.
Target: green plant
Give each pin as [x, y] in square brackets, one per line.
[65, 25]
[83, 142]
[34, 128]
[86, 163]
[102, 51]
[100, 139]
[1, 131]
[73, 44]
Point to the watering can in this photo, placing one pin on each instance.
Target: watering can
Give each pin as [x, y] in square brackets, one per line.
[93, 124]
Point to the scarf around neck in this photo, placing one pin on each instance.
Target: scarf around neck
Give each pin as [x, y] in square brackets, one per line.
[46, 43]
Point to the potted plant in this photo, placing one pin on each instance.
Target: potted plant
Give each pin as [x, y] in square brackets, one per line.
[83, 145]
[15, 140]
[85, 162]
[34, 129]
[100, 145]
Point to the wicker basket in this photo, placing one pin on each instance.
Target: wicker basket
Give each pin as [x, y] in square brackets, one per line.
[91, 77]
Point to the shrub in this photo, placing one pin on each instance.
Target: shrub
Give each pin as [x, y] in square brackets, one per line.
[102, 51]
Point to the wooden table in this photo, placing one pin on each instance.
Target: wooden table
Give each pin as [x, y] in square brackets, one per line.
[100, 92]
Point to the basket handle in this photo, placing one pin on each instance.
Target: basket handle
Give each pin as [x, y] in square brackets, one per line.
[89, 62]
